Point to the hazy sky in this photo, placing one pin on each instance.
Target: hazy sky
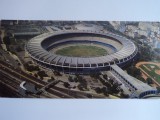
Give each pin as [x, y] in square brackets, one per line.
[51, 109]
[80, 9]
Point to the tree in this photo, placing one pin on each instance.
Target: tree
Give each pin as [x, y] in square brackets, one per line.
[157, 50]
[98, 90]
[133, 71]
[104, 89]
[52, 78]
[75, 79]
[146, 56]
[35, 75]
[66, 84]
[105, 76]
[70, 79]
[108, 85]
[31, 67]
[6, 40]
[0, 40]
[111, 81]
[149, 81]
[124, 95]
[57, 73]
[77, 75]
[89, 95]
[136, 71]
[42, 74]
[94, 75]
[79, 78]
[19, 49]
[115, 89]
[80, 87]
[143, 37]
[18, 64]
[141, 79]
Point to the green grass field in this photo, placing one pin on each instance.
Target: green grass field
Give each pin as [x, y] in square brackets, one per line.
[82, 51]
[152, 73]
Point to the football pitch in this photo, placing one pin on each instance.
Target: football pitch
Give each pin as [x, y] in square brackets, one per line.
[82, 51]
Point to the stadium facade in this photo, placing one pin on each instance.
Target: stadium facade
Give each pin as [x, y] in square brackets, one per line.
[121, 51]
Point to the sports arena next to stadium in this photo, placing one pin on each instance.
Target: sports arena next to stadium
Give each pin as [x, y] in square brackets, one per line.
[120, 51]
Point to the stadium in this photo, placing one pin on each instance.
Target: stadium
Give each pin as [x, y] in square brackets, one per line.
[43, 50]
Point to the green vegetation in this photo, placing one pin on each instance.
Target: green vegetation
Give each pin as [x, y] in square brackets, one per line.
[19, 49]
[152, 71]
[146, 53]
[42, 74]
[30, 67]
[157, 50]
[112, 86]
[7, 40]
[52, 79]
[135, 72]
[82, 51]
[57, 73]
[82, 82]
[124, 95]
[66, 84]
[154, 67]
[149, 81]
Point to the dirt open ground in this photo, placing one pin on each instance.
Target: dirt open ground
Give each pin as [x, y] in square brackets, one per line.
[157, 71]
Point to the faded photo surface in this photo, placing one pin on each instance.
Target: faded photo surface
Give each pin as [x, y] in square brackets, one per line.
[79, 59]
